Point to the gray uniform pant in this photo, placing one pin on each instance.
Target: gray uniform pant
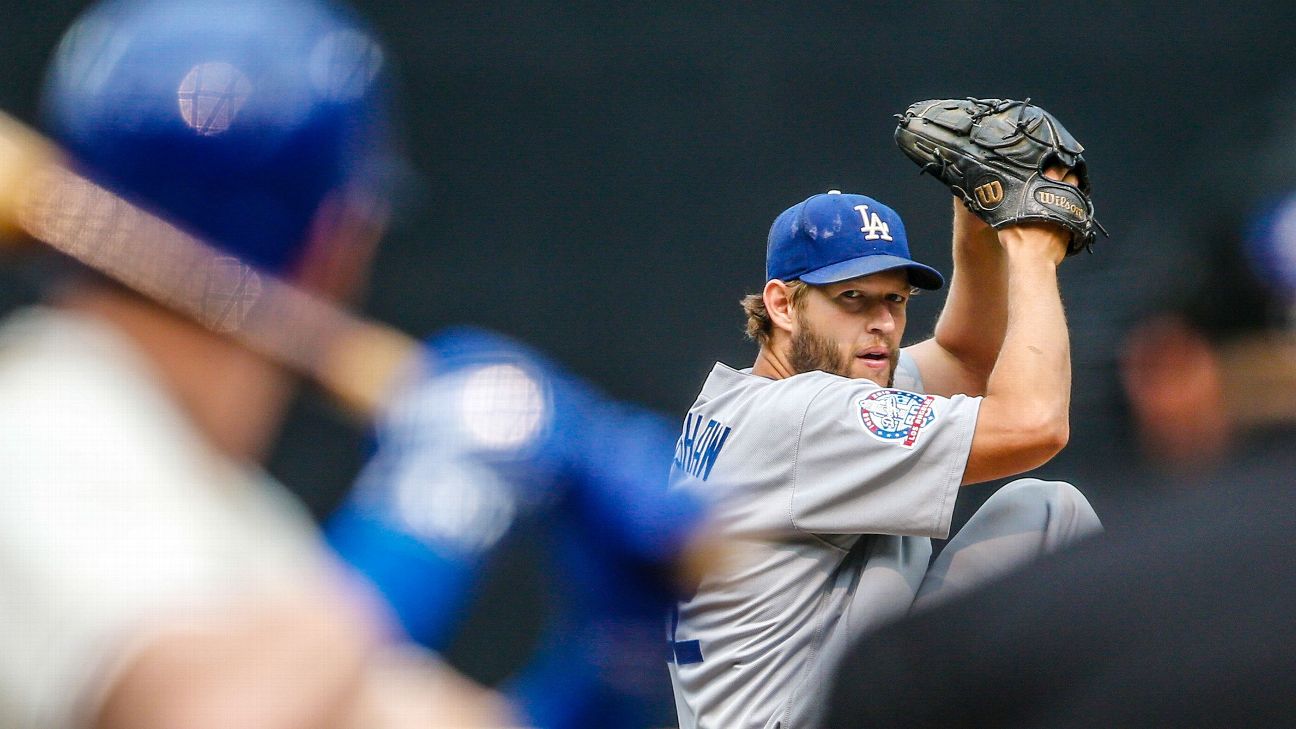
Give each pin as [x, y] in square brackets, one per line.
[1023, 520]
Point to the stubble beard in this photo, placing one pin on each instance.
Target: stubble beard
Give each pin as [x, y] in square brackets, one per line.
[812, 351]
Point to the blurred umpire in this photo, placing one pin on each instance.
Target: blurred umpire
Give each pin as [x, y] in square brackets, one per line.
[1181, 615]
[153, 575]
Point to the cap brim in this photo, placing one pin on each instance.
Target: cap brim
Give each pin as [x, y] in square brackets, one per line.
[924, 277]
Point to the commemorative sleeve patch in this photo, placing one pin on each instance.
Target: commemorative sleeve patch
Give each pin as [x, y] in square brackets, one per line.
[896, 416]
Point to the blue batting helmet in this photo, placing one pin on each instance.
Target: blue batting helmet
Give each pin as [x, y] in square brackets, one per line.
[233, 119]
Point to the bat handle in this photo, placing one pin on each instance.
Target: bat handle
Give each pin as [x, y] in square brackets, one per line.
[23, 154]
[364, 365]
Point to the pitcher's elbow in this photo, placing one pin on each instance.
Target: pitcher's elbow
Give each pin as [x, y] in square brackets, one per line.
[1045, 438]
[1053, 436]
[1061, 436]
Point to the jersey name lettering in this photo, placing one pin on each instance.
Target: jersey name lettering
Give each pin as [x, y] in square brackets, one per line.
[698, 447]
[874, 226]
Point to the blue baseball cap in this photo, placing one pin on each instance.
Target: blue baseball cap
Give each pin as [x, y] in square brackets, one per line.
[834, 236]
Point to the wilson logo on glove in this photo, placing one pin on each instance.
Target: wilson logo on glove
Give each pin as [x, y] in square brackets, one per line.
[1061, 202]
[990, 194]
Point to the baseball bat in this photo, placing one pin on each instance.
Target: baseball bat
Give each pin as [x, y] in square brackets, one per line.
[355, 360]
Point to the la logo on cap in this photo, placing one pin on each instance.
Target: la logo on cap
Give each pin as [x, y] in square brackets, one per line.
[874, 227]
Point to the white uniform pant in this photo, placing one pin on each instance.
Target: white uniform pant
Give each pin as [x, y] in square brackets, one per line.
[1023, 520]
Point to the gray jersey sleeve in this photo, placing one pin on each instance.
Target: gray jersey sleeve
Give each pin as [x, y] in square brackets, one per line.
[874, 460]
[825, 454]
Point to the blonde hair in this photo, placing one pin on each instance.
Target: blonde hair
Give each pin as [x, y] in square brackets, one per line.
[759, 326]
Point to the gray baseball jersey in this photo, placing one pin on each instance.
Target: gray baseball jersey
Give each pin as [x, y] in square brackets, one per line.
[830, 489]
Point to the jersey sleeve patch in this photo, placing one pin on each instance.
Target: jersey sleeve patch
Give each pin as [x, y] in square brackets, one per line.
[896, 416]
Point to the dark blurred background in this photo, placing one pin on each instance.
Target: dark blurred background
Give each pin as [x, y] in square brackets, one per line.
[598, 179]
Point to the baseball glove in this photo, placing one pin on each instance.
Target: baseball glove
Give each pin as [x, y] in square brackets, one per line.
[993, 153]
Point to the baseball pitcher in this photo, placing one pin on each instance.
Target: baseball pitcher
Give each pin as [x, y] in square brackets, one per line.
[837, 456]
